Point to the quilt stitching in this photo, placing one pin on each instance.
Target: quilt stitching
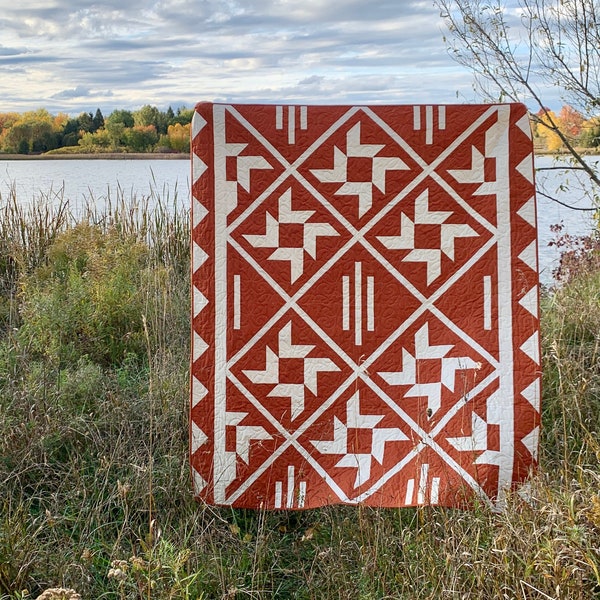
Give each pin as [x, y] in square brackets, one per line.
[362, 382]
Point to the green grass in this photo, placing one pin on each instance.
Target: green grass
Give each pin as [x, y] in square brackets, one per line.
[95, 486]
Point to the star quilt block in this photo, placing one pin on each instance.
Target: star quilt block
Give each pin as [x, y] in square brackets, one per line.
[365, 305]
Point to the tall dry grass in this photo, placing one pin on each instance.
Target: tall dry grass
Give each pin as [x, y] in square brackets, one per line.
[95, 496]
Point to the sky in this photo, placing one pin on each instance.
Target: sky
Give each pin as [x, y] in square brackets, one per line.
[78, 55]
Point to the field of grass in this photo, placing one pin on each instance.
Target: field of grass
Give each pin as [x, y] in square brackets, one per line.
[95, 496]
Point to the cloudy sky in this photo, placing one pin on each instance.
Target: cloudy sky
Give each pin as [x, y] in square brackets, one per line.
[77, 55]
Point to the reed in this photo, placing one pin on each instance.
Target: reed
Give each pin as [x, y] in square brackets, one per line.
[96, 498]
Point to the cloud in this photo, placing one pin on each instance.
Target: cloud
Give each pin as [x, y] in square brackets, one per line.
[77, 92]
[74, 55]
[10, 52]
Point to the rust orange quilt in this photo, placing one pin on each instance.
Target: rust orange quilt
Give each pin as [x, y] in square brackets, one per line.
[365, 305]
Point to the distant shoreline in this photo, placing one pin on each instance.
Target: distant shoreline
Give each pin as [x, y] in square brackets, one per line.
[100, 156]
[186, 155]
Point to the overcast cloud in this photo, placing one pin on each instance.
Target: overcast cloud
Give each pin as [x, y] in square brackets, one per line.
[76, 55]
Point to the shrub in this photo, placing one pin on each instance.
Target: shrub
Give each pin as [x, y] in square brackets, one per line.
[88, 300]
[579, 255]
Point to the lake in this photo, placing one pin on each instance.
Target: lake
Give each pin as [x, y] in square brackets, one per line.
[96, 180]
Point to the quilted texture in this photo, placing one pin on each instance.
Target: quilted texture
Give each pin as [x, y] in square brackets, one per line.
[365, 305]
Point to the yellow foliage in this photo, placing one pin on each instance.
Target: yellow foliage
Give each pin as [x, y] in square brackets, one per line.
[59, 121]
[179, 137]
[543, 129]
[7, 120]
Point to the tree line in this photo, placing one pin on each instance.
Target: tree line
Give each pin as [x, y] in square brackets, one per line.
[151, 130]
[579, 131]
[145, 130]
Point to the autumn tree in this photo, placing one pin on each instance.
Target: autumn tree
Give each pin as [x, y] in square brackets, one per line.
[34, 131]
[7, 120]
[590, 133]
[95, 142]
[140, 138]
[571, 121]
[514, 54]
[150, 115]
[179, 137]
[545, 131]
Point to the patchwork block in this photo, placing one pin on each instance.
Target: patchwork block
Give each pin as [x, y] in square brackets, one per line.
[365, 305]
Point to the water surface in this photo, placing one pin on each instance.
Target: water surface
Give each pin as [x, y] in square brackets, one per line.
[96, 180]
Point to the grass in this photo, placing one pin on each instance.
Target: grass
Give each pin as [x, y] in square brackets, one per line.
[96, 497]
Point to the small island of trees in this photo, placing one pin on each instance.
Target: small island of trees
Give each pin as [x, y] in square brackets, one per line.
[145, 130]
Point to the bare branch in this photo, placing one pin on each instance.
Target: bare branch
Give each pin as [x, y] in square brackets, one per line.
[554, 42]
[590, 209]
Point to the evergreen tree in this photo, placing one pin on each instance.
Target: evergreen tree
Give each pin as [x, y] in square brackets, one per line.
[98, 120]
[184, 116]
[86, 122]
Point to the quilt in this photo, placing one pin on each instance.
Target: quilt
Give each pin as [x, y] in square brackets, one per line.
[365, 305]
